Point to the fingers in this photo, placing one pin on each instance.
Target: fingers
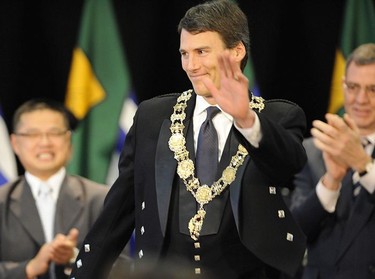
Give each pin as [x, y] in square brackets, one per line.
[330, 137]
[230, 69]
[324, 135]
[334, 127]
[63, 246]
[337, 122]
[341, 139]
[350, 122]
[39, 264]
[210, 86]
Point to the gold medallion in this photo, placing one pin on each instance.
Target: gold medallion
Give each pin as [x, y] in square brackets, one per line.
[203, 194]
[185, 168]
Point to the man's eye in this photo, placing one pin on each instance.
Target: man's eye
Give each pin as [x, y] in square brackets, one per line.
[371, 89]
[353, 86]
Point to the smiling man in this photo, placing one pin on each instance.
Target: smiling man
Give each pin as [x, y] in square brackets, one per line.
[334, 199]
[200, 170]
[44, 214]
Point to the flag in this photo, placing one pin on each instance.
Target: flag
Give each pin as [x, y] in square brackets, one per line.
[8, 165]
[126, 121]
[358, 27]
[98, 84]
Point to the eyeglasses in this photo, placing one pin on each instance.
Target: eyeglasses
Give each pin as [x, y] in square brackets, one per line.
[37, 135]
[355, 88]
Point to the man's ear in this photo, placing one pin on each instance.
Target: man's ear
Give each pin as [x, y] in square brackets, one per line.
[13, 142]
[239, 51]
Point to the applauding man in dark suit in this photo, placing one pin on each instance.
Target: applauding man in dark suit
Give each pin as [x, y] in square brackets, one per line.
[334, 198]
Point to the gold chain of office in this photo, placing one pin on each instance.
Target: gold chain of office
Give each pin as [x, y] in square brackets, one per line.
[203, 194]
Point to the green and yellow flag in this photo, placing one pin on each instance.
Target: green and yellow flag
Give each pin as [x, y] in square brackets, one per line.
[98, 84]
[358, 27]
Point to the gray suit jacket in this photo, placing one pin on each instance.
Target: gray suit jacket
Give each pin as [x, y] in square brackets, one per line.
[79, 204]
[341, 244]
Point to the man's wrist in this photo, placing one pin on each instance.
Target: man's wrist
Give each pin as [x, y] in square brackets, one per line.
[74, 257]
[360, 173]
[330, 183]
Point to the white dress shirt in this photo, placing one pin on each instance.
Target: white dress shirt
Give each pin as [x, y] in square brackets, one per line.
[223, 123]
[46, 207]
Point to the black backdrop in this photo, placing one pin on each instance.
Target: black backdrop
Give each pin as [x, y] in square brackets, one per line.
[292, 47]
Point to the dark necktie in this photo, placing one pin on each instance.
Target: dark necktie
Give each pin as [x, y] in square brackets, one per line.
[206, 165]
[207, 150]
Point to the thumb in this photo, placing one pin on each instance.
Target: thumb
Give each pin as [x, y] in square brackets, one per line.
[73, 234]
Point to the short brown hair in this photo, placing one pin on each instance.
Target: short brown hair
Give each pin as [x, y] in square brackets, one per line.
[223, 17]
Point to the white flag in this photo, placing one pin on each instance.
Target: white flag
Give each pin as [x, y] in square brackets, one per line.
[8, 166]
[125, 122]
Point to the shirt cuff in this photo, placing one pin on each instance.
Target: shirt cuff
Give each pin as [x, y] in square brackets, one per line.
[367, 181]
[328, 198]
[254, 134]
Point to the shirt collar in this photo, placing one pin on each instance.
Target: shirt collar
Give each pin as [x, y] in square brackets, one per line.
[201, 105]
[55, 181]
[371, 138]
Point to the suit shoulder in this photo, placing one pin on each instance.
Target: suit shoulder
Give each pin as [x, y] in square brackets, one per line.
[8, 187]
[308, 142]
[281, 107]
[5, 190]
[281, 102]
[161, 98]
[159, 106]
[90, 185]
[313, 153]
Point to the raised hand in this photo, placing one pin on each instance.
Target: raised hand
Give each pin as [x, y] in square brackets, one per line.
[340, 138]
[233, 94]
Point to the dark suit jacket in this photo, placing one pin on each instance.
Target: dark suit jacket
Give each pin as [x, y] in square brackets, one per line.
[21, 236]
[140, 198]
[341, 244]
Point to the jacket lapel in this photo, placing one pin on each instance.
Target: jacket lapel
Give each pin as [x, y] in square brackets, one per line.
[165, 165]
[69, 205]
[345, 200]
[360, 213]
[23, 206]
[165, 168]
[235, 187]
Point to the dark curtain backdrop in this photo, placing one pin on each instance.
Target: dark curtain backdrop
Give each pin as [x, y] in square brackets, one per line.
[293, 47]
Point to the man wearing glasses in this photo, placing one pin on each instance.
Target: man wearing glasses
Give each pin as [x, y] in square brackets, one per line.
[45, 213]
[334, 199]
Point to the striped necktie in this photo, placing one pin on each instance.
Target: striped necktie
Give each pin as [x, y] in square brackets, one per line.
[357, 185]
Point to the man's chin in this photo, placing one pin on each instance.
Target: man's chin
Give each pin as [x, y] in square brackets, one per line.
[201, 90]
